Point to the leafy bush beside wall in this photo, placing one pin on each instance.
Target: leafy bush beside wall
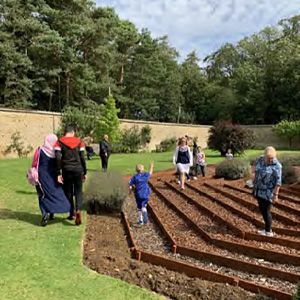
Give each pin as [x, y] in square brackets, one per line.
[225, 135]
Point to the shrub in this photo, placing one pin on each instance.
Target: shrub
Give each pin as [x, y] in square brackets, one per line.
[17, 145]
[297, 294]
[288, 130]
[117, 147]
[285, 159]
[225, 135]
[105, 192]
[233, 169]
[289, 159]
[145, 135]
[290, 174]
[168, 144]
[133, 140]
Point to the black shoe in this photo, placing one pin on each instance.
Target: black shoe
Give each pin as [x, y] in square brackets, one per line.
[44, 221]
[51, 217]
[70, 217]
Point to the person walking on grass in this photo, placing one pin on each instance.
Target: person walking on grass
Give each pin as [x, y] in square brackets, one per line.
[267, 182]
[104, 152]
[139, 184]
[183, 159]
[71, 170]
[51, 195]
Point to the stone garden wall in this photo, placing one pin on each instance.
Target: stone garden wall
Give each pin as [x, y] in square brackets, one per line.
[34, 125]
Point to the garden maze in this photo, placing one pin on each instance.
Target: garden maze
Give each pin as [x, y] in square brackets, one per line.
[209, 231]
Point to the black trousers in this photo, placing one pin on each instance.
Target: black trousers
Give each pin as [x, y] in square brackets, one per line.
[104, 162]
[200, 168]
[73, 187]
[265, 209]
[89, 152]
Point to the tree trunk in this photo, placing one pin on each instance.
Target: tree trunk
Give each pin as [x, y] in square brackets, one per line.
[59, 92]
[50, 102]
[122, 74]
[68, 89]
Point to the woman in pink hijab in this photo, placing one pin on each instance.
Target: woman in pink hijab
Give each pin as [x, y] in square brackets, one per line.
[51, 195]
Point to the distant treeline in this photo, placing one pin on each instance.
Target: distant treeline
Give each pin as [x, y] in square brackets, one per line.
[68, 53]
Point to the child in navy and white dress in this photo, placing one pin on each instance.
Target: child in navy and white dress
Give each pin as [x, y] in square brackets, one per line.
[183, 159]
[139, 184]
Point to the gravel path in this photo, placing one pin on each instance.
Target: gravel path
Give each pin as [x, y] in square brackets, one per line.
[150, 238]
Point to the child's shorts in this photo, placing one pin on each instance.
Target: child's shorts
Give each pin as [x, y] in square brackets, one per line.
[140, 203]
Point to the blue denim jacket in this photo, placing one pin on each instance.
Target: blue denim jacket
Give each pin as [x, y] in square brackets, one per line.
[267, 176]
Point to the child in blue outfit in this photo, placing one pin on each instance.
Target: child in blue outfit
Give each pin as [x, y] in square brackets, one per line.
[139, 183]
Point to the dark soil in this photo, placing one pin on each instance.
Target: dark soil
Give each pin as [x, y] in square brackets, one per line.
[106, 251]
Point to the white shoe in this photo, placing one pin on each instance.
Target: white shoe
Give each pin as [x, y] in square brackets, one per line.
[261, 232]
[178, 181]
[195, 178]
[269, 233]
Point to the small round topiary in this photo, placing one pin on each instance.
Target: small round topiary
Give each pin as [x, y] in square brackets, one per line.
[233, 169]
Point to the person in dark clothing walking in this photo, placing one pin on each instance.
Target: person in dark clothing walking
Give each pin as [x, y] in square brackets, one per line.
[104, 152]
[71, 169]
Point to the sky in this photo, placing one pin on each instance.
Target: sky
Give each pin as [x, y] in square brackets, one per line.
[203, 25]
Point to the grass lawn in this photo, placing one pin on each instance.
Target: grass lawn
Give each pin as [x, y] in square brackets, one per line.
[45, 263]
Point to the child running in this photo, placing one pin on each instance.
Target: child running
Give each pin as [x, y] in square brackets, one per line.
[139, 183]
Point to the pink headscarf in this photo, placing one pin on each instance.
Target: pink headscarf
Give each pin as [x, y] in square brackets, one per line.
[49, 143]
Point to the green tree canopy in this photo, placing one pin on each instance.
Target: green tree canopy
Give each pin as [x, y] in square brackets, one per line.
[56, 54]
[109, 122]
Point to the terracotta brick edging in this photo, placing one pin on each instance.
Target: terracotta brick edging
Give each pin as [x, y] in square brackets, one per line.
[277, 216]
[250, 235]
[198, 272]
[270, 255]
[225, 261]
